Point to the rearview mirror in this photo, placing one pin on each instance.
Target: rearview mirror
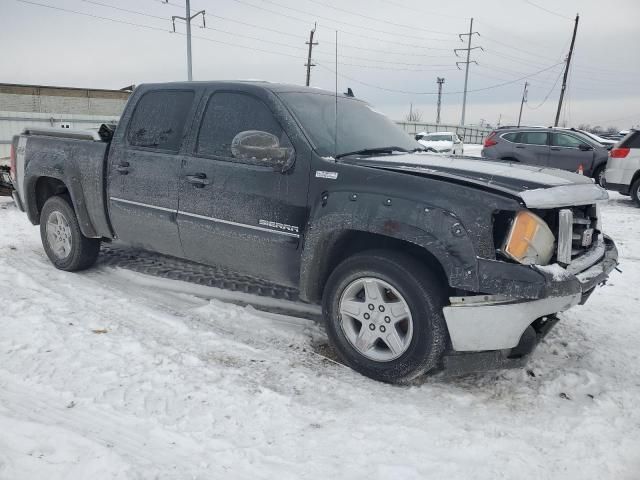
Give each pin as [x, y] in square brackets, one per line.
[262, 148]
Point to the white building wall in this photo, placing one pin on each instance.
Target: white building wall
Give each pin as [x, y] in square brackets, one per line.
[12, 123]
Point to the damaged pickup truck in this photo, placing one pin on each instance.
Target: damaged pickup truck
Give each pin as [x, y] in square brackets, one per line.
[420, 262]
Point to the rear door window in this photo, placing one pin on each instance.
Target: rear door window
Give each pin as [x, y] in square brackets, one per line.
[567, 141]
[632, 141]
[159, 118]
[510, 137]
[533, 138]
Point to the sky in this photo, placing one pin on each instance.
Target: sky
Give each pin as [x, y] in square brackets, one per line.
[390, 52]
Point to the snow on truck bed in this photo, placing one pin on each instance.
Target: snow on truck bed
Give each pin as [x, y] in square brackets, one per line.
[110, 374]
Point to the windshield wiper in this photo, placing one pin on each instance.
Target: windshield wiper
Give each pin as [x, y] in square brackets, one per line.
[374, 151]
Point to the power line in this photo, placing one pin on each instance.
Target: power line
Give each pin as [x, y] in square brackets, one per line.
[159, 29]
[353, 25]
[284, 33]
[385, 21]
[546, 97]
[491, 87]
[221, 42]
[547, 10]
[400, 5]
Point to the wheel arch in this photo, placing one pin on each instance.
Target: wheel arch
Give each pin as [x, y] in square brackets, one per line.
[334, 247]
[43, 187]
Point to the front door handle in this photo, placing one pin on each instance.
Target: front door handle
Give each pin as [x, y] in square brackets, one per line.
[519, 146]
[122, 168]
[555, 149]
[198, 180]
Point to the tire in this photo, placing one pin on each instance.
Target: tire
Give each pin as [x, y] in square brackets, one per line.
[65, 245]
[418, 340]
[635, 192]
[598, 176]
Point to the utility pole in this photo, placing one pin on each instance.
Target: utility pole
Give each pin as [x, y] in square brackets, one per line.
[499, 120]
[187, 18]
[566, 70]
[467, 62]
[311, 43]
[439, 81]
[524, 99]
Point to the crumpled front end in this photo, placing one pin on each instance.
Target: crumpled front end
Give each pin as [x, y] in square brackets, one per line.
[518, 295]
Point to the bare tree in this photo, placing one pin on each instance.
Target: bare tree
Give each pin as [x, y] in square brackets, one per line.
[612, 130]
[414, 115]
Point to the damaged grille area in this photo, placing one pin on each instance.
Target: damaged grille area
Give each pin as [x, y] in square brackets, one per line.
[575, 229]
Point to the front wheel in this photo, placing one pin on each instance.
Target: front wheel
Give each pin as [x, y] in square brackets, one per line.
[383, 315]
[65, 245]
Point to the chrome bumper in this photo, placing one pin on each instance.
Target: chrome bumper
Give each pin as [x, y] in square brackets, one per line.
[476, 324]
[490, 322]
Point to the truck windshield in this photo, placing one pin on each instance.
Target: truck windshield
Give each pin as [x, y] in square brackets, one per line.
[360, 127]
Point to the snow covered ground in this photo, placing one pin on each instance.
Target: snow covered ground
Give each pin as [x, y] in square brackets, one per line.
[111, 374]
[472, 149]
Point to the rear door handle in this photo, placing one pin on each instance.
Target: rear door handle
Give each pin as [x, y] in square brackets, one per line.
[198, 180]
[519, 146]
[123, 168]
[555, 149]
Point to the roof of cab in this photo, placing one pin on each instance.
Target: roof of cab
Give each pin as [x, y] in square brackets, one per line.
[273, 87]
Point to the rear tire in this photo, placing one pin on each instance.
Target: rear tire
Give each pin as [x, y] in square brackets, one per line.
[393, 335]
[635, 191]
[63, 241]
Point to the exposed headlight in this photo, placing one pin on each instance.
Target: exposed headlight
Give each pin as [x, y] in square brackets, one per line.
[530, 241]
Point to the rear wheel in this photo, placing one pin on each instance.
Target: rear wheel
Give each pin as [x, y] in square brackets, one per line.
[635, 191]
[383, 315]
[65, 245]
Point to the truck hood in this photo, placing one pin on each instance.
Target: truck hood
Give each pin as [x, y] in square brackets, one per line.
[537, 187]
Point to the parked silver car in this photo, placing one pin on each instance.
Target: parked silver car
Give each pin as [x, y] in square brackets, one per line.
[623, 167]
[548, 147]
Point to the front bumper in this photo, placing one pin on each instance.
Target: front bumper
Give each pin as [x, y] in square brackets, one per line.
[497, 322]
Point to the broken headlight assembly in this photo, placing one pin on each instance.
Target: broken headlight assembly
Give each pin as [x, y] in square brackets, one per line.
[529, 240]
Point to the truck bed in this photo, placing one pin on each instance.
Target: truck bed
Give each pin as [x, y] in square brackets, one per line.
[75, 157]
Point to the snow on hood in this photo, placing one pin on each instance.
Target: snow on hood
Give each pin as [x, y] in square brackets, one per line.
[437, 144]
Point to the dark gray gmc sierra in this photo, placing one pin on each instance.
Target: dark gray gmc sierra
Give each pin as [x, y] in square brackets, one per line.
[419, 261]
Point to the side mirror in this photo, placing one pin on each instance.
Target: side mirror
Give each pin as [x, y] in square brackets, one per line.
[418, 137]
[585, 148]
[262, 148]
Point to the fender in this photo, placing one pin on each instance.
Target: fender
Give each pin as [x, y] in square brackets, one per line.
[439, 232]
[62, 160]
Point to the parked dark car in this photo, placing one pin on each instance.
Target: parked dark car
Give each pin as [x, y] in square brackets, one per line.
[565, 149]
[419, 261]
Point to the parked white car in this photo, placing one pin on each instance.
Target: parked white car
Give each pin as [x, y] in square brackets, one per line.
[441, 142]
[623, 167]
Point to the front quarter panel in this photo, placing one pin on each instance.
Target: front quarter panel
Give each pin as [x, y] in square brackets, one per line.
[452, 222]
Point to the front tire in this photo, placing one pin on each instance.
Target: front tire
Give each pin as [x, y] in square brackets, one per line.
[383, 315]
[63, 241]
